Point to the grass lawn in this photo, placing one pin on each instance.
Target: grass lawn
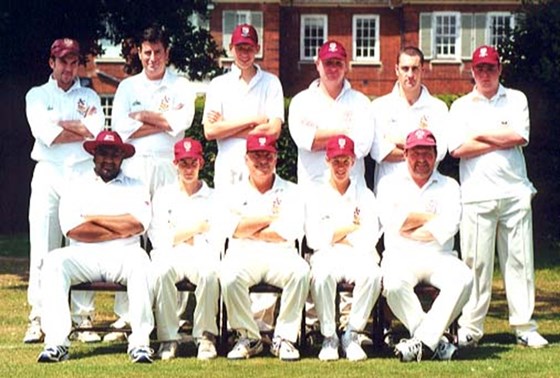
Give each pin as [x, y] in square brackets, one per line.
[497, 355]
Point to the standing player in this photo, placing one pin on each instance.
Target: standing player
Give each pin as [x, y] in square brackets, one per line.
[103, 215]
[151, 110]
[342, 227]
[491, 129]
[263, 219]
[61, 114]
[246, 100]
[408, 107]
[420, 212]
[180, 233]
[327, 108]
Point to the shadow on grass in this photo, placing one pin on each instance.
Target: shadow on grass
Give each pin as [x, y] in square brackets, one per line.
[98, 349]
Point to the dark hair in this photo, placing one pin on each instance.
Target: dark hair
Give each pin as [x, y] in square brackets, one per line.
[154, 34]
[411, 51]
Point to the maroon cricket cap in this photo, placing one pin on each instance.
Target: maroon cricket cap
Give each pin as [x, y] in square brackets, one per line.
[261, 142]
[485, 55]
[332, 50]
[109, 138]
[65, 46]
[420, 137]
[340, 145]
[188, 148]
[244, 33]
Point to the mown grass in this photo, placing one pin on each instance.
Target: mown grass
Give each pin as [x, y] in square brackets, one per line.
[497, 356]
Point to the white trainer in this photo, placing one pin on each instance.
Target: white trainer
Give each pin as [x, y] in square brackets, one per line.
[206, 349]
[409, 350]
[351, 346]
[34, 334]
[167, 350]
[87, 336]
[284, 349]
[245, 348]
[445, 351]
[466, 339]
[531, 339]
[329, 350]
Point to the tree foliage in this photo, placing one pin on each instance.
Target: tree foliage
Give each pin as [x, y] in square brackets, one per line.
[532, 56]
[29, 27]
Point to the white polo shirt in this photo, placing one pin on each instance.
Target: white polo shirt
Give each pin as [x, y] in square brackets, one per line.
[230, 96]
[398, 196]
[90, 195]
[48, 104]
[326, 210]
[173, 209]
[312, 110]
[497, 174]
[172, 96]
[396, 118]
[244, 200]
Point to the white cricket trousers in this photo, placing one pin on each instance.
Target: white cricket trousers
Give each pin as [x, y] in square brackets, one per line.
[45, 234]
[200, 268]
[344, 263]
[403, 270]
[504, 225]
[128, 265]
[279, 266]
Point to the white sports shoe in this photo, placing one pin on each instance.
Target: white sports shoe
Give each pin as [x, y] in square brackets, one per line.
[445, 351]
[351, 346]
[167, 350]
[206, 349]
[409, 350]
[284, 349]
[57, 353]
[466, 340]
[531, 339]
[34, 334]
[245, 348]
[86, 336]
[329, 350]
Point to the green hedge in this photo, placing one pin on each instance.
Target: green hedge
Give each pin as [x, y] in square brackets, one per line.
[287, 150]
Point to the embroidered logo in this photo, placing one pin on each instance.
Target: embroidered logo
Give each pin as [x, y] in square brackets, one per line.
[245, 32]
[356, 220]
[333, 47]
[164, 104]
[483, 53]
[262, 141]
[423, 122]
[187, 145]
[82, 107]
[341, 143]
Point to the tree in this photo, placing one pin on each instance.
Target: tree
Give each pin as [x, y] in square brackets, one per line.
[193, 49]
[532, 56]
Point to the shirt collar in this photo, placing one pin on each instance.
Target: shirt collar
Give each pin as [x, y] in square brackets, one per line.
[477, 96]
[77, 84]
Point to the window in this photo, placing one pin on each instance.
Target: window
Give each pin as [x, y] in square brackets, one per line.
[446, 36]
[107, 106]
[440, 35]
[312, 35]
[232, 18]
[499, 26]
[365, 38]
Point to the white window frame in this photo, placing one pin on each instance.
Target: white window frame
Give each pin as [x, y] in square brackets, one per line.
[305, 52]
[254, 18]
[107, 107]
[355, 49]
[490, 36]
[456, 45]
[112, 52]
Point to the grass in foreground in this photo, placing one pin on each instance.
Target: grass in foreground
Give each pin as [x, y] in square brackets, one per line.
[496, 356]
